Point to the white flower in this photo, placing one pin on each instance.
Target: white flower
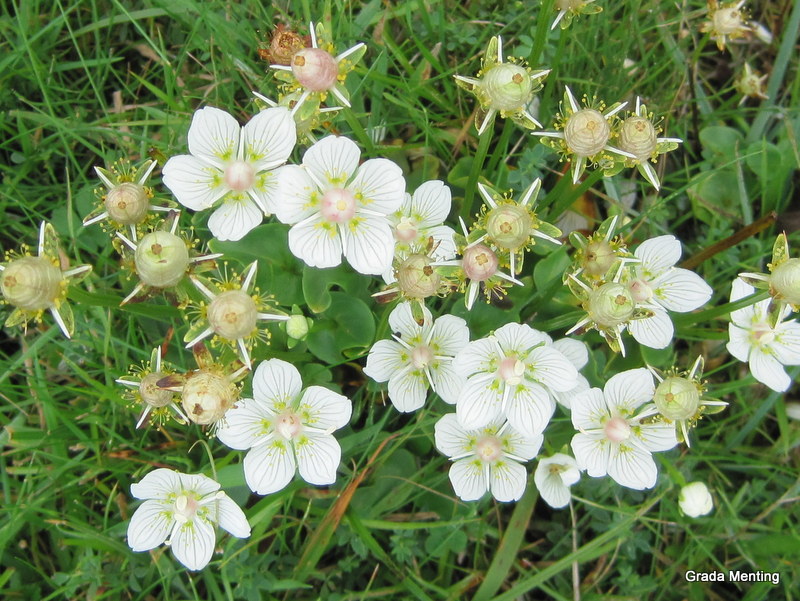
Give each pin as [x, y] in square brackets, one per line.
[767, 347]
[419, 357]
[553, 477]
[484, 459]
[182, 510]
[695, 500]
[338, 207]
[578, 354]
[612, 439]
[286, 431]
[232, 163]
[656, 284]
[512, 373]
[421, 217]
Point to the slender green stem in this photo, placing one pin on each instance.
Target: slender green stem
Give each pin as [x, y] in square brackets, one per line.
[475, 172]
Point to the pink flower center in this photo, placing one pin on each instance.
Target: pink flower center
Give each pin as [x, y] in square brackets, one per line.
[617, 429]
[406, 230]
[479, 263]
[338, 205]
[185, 508]
[511, 370]
[421, 357]
[288, 425]
[640, 291]
[762, 334]
[315, 69]
[489, 449]
[239, 176]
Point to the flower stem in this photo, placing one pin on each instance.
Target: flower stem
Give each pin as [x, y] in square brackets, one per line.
[475, 172]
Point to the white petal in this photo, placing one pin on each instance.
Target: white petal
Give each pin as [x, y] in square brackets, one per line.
[276, 383]
[269, 138]
[768, 370]
[316, 242]
[196, 185]
[408, 390]
[565, 398]
[245, 424]
[522, 445]
[655, 437]
[739, 344]
[786, 346]
[269, 467]
[554, 486]
[479, 403]
[530, 409]
[475, 357]
[549, 367]
[430, 204]
[744, 317]
[230, 517]
[325, 409]
[681, 290]
[519, 337]
[657, 256]
[589, 410]
[150, 526]
[266, 192]
[157, 484]
[214, 136]
[235, 218]
[450, 335]
[402, 322]
[468, 479]
[632, 466]
[368, 244]
[379, 186]
[507, 480]
[193, 543]
[447, 382]
[628, 390]
[591, 453]
[655, 331]
[450, 437]
[384, 360]
[294, 195]
[575, 350]
[198, 483]
[332, 160]
[318, 457]
[445, 245]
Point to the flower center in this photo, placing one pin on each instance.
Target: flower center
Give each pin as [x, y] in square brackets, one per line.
[727, 21]
[239, 176]
[762, 334]
[617, 429]
[640, 291]
[232, 314]
[315, 69]
[338, 205]
[488, 449]
[406, 230]
[127, 203]
[289, 425]
[507, 87]
[510, 370]
[421, 356]
[586, 132]
[479, 263]
[151, 393]
[185, 508]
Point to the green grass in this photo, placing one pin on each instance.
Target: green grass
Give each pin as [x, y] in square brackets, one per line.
[85, 83]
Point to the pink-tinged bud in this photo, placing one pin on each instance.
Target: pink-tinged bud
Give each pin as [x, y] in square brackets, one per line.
[127, 203]
[479, 263]
[315, 69]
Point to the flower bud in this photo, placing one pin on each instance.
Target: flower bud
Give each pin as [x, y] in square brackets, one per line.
[507, 86]
[677, 398]
[232, 314]
[161, 259]
[509, 226]
[586, 132]
[695, 500]
[785, 280]
[416, 277]
[207, 395]
[127, 203]
[479, 263]
[610, 305]
[598, 257]
[297, 327]
[31, 283]
[315, 69]
[151, 393]
[638, 136]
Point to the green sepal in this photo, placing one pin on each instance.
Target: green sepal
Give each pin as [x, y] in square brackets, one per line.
[417, 313]
[65, 311]
[349, 63]
[780, 251]
[549, 229]
[490, 56]
[17, 317]
[48, 243]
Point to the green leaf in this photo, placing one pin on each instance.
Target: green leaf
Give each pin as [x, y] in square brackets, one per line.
[316, 284]
[721, 142]
[346, 329]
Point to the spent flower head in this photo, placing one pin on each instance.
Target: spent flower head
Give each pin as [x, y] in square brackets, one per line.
[726, 21]
[751, 84]
[569, 9]
[33, 284]
[503, 86]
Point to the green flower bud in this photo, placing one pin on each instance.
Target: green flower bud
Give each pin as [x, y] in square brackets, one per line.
[507, 87]
[161, 259]
[785, 280]
[598, 257]
[509, 226]
[207, 395]
[677, 398]
[297, 327]
[151, 393]
[232, 314]
[31, 283]
[586, 132]
[416, 278]
[610, 305]
[127, 203]
[637, 135]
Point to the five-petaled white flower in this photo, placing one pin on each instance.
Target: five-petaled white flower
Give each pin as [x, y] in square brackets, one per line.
[487, 458]
[656, 284]
[766, 344]
[554, 476]
[512, 373]
[182, 510]
[612, 438]
[419, 356]
[232, 163]
[286, 431]
[337, 207]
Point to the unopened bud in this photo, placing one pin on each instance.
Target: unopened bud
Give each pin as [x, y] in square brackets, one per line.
[479, 263]
[416, 277]
[127, 203]
[610, 305]
[31, 283]
[297, 327]
[315, 69]
[695, 500]
[161, 259]
[638, 136]
[509, 226]
[677, 398]
[207, 395]
[586, 132]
